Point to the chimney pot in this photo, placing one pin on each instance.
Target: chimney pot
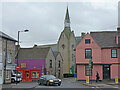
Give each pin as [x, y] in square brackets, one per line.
[82, 33]
[118, 29]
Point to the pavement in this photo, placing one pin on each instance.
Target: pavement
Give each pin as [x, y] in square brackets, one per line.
[20, 85]
[103, 84]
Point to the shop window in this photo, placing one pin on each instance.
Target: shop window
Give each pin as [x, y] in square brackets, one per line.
[114, 53]
[87, 71]
[35, 74]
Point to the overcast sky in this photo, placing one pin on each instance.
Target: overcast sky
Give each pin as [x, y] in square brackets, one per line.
[45, 20]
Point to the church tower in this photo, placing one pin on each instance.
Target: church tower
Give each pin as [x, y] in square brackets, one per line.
[66, 44]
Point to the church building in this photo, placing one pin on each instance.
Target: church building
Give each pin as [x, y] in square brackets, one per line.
[66, 46]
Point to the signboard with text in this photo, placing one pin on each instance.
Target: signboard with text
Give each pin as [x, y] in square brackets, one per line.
[22, 65]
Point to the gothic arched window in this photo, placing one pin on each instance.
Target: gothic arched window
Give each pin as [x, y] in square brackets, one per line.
[63, 46]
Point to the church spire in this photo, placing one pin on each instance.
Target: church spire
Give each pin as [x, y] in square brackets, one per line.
[67, 19]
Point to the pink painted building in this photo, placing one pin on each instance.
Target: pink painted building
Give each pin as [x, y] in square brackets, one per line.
[104, 48]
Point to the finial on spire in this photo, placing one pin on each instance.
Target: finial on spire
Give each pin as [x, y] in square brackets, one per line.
[67, 18]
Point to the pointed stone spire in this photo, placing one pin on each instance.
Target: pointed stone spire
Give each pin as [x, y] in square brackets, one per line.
[67, 19]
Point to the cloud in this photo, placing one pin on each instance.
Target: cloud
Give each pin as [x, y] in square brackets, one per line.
[45, 20]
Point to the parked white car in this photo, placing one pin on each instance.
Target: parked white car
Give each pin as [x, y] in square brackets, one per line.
[13, 78]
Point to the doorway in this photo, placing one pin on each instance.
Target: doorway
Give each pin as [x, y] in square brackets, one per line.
[27, 75]
[106, 72]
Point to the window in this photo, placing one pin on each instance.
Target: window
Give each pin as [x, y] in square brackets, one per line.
[8, 74]
[59, 64]
[118, 40]
[35, 74]
[72, 56]
[9, 58]
[87, 71]
[50, 63]
[88, 53]
[63, 46]
[72, 46]
[114, 53]
[87, 41]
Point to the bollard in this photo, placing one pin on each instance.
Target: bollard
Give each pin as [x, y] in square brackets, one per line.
[116, 80]
[87, 79]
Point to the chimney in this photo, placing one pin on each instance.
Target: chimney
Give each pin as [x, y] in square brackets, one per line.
[82, 34]
[35, 45]
[118, 29]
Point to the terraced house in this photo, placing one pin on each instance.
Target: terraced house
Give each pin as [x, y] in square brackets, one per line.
[104, 49]
[7, 57]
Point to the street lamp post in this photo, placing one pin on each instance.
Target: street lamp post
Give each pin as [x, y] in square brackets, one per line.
[18, 51]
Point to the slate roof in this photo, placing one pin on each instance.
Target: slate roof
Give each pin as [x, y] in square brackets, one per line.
[3, 35]
[33, 53]
[55, 53]
[52, 46]
[105, 39]
[78, 39]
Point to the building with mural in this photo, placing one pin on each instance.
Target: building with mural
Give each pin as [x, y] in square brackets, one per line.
[104, 49]
[34, 62]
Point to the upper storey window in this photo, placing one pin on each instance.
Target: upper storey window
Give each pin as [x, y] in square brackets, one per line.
[88, 53]
[114, 53]
[87, 41]
[63, 46]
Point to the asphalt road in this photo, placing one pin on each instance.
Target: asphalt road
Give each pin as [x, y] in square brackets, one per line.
[66, 83]
[72, 83]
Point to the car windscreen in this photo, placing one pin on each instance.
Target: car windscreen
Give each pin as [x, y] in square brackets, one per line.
[50, 77]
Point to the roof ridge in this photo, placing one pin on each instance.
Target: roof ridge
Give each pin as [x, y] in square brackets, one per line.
[47, 45]
[102, 31]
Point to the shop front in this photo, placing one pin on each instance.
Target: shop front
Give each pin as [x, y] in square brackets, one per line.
[29, 74]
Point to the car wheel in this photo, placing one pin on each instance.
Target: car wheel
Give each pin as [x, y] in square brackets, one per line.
[12, 81]
[39, 83]
[59, 84]
[48, 83]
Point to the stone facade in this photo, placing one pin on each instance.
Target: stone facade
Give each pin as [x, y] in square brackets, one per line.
[57, 57]
[8, 55]
[66, 46]
[59, 66]
[51, 57]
